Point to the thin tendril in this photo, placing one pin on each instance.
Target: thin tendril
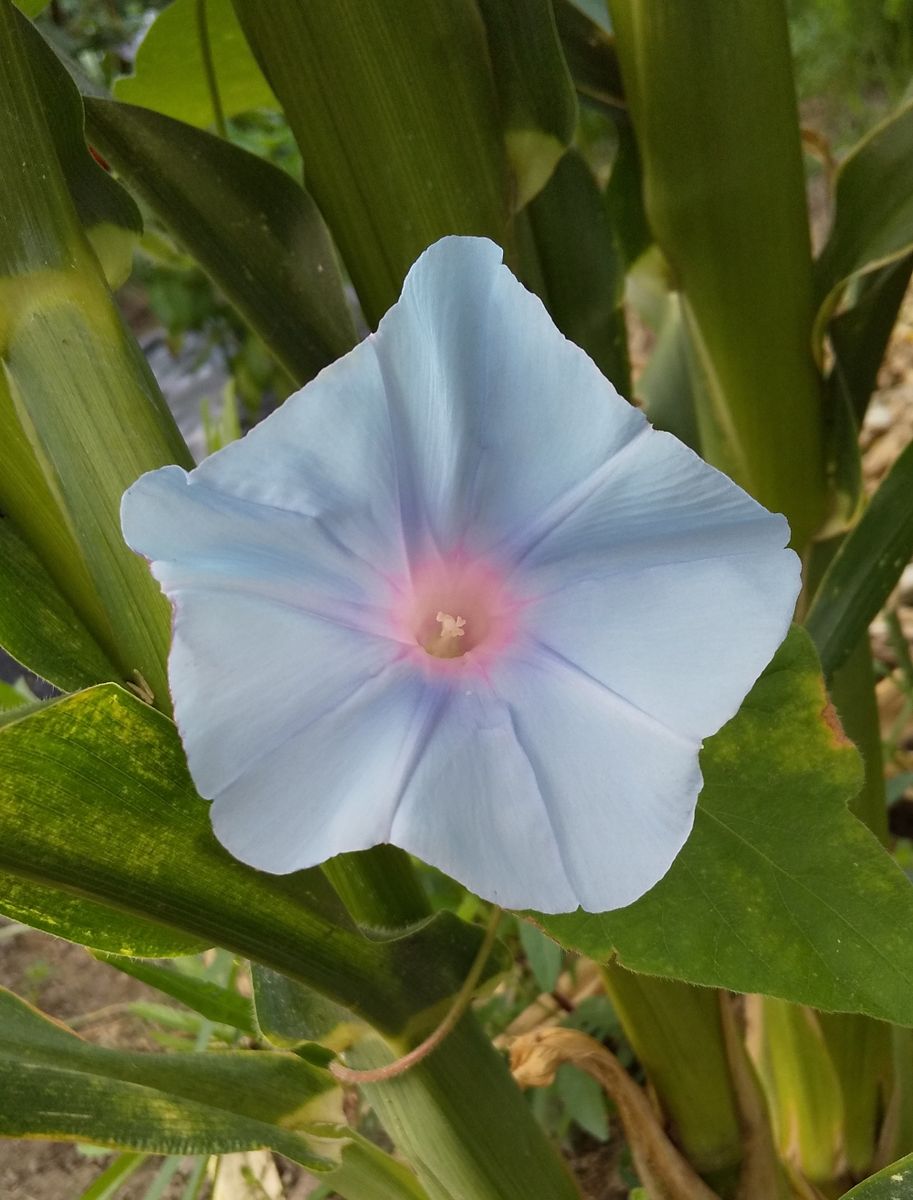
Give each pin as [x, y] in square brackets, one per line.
[455, 1012]
[210, 70]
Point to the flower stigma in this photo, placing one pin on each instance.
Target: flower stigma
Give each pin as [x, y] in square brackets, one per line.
[447, 644]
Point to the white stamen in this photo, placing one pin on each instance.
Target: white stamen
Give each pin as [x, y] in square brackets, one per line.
[451, 627]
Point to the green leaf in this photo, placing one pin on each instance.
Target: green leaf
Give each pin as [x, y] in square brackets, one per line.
[665, 384]
[873, 211]
[248, 224]
[725, 194]
[464, 1139]
[859, 334]
[212, 1000]
[591, 57]
[109, 216]
[536, 94]
[55, 1085]
[583, 1100]
[169, 76]
[11, 699]
[779, 889]
[90, 922]
[106, 1185]
[81, 413]
[290, 1014]
[394, 109]
[893, 1183]
[865, 568]
[580, 266]
[95, 800]
[542, 954]
[38, 627]
[802, 1087]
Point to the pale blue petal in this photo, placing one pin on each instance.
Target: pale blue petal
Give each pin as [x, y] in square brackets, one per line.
[548, 792]
[248, 675]
[683, 642]
[620, 787]
[333, 785]
[325, 454]
[472, 807]
[656, 502]
[496, 416]
[670, 586]
[198, 537]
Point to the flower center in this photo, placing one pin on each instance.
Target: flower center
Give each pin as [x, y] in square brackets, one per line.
[447, 641]
[455, 610]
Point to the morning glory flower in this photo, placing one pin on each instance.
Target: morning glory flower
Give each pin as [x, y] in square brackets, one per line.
[457, 595]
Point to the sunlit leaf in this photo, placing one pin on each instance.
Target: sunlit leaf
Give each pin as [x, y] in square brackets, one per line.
[892, 1183]
[725, 196]
[82, 415]
[169, 76]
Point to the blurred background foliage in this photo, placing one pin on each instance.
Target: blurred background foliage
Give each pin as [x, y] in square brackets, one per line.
[853, 64]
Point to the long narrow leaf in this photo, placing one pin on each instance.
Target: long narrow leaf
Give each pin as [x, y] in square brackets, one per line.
[249, 225]
[38, 627]
[536, 94]
[725, 192]
[866, 568]
[211, 1000]
[80, 412]
[873, 214]
[53, 1084]
[395, 112]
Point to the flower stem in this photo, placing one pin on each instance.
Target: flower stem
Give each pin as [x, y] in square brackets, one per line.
[457, 1009]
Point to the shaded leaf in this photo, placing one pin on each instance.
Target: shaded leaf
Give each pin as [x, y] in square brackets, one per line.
[169, 76]
[873, 212]
[95, 800]
[249, 225]
[545, 958]
[108, 214]
[859, 334]
[409, 148]
[581, 267]
[38, 627]
[591, 57]
[865, 568]
[536, 94]
[779, 889]
[290, 1014]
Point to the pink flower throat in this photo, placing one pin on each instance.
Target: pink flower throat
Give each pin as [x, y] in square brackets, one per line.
[456, 613]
